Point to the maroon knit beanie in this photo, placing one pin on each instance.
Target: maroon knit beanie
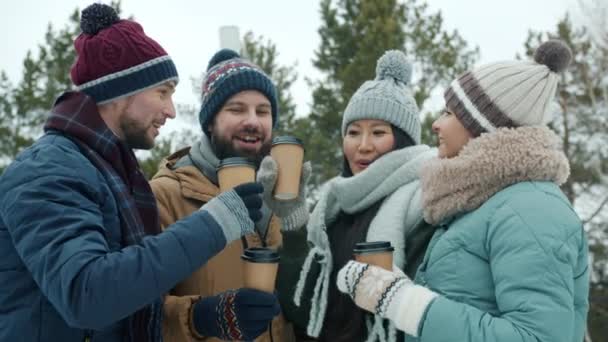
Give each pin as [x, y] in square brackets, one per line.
[115, 58]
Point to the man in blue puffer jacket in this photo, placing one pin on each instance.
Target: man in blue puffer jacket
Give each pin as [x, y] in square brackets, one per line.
[81, 253]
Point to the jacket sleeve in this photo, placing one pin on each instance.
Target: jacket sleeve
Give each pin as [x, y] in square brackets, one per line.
[177, 319]
[165, 190]
[533, 269]
[52, 211]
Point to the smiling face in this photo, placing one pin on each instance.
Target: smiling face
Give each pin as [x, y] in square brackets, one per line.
[451, 134]
[365, 141]
[137, 119]
[243, 127]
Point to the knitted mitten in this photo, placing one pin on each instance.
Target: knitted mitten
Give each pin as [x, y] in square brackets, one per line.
[293, 214]
[235, 211]
[390, 295]
[235, 315]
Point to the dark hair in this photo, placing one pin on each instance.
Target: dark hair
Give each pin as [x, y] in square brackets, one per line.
[402, 140]
[344, 321]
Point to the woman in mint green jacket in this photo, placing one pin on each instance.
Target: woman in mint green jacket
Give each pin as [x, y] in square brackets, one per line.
[509, 259]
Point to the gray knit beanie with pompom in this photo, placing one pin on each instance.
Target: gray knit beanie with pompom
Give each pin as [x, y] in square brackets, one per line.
[387, 97]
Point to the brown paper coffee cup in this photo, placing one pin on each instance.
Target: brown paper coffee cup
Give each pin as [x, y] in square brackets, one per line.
[288, 152]
[377, 253]
[234, 171]
[260, 266]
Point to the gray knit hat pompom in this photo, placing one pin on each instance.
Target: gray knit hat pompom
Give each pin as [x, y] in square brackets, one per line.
[555, 54]
[394, 64]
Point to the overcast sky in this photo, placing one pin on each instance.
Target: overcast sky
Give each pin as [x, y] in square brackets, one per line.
[189, 30]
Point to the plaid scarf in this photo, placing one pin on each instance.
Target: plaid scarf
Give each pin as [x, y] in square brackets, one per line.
[75, 115]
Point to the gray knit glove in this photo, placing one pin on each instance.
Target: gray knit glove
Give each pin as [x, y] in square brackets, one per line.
[293, 214]
[235, 211]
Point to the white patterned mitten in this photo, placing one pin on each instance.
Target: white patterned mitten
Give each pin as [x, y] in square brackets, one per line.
[391, 295]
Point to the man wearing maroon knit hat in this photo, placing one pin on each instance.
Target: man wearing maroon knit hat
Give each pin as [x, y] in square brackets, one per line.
[82, 257]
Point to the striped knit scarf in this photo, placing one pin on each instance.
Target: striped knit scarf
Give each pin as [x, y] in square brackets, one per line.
[76, 116]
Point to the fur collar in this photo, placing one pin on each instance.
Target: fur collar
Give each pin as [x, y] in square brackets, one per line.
[487, 165]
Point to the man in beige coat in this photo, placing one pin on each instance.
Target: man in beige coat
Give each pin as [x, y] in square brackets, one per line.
[238, 113]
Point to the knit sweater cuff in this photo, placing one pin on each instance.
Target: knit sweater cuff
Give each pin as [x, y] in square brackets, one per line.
[229, 211]
[296, 220]
[191, 327]
[409, 306]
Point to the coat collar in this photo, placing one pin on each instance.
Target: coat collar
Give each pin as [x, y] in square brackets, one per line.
[488, 164]
[193, 183]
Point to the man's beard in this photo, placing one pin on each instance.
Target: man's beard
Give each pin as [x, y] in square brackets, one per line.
[135, 135]
[224, 149]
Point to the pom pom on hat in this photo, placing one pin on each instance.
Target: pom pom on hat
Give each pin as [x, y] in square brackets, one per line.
[222, 55]
[509, 93]
[97, 17]
[388, 97]
[394, 64]
[555, 54]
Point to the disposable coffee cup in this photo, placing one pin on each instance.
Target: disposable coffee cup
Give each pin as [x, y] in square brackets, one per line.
[378, 253]
[234, 171]
[260, 267]
[288, 152]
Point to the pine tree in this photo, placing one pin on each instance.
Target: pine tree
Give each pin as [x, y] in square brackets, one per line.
[150, 164]
[45, 76]
[7, 116]
[264, 53]
[185, 136]
[354, 34]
